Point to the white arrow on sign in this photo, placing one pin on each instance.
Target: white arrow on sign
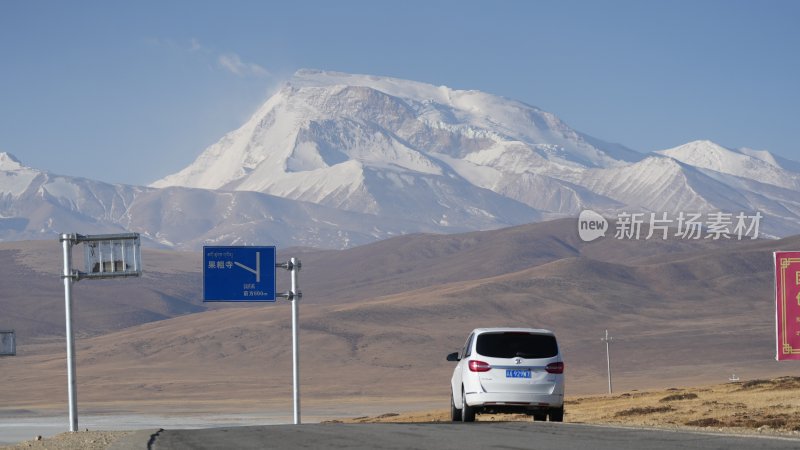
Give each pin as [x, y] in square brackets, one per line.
[256, 271]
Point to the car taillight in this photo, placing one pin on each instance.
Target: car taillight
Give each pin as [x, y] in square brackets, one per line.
[479, 366]
[556, 367]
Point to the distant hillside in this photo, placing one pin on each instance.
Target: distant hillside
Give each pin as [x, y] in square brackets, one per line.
[380, 318]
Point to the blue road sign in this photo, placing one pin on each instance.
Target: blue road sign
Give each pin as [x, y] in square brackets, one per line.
[238, 274]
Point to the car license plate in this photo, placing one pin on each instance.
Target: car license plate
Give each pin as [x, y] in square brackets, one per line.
[518, 373]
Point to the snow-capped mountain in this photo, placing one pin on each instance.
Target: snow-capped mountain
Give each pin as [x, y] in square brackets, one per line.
[335, 160]
[752, 164]
[382, 145]
[660, 184]
[36, 204]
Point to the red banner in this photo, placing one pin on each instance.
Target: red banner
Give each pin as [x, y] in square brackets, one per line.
[787, 312]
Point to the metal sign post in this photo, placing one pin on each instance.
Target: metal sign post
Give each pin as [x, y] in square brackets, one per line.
[238, 274]
[294, 296]
[105, 256]
[295, 267]
[67, 241]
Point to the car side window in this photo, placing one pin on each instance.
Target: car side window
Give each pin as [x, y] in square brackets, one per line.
[467, 347]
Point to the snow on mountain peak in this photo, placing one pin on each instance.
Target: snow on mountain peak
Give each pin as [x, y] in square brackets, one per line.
[397, 149]
[703, 146]
[335, 159]
[763, 155]
[15, 178]
[9, 162]
[447, 109]
[706, 154]
[318, 136]
[744, 163]
[392, 86]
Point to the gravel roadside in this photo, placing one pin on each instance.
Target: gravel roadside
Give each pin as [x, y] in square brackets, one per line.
[88, 440]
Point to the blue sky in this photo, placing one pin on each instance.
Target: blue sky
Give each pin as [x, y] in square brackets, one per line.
[132, 91]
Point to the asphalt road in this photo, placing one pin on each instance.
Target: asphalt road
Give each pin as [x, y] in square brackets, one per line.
[506, 435]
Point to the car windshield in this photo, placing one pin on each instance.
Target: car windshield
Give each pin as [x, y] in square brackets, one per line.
[515, 344]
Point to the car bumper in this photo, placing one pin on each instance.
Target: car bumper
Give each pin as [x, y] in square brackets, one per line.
[522, 400]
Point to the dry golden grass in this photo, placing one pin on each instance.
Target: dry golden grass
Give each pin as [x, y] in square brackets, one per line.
[771, 406]
[751, 405]
[755, 406]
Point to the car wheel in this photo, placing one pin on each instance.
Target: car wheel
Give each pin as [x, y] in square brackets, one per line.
[539, 417]
[455, 413]
[467, 412]
[557, 415]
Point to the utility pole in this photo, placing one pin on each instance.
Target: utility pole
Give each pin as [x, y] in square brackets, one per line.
[105, 256]
[607, 339]
[67, 241]
[296, 296]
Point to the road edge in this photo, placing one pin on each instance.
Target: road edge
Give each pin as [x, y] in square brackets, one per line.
[137, 440]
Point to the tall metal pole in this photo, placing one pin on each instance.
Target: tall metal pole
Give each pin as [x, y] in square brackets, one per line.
[607, 340]
[72, 389]
[295, 263]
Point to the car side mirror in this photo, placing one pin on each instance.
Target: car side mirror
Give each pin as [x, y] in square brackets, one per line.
[453, 357]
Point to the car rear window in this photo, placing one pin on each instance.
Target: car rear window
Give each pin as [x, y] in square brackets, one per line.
[510, 345]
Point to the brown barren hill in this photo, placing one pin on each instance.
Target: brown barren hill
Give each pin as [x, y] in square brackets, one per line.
[377, 321]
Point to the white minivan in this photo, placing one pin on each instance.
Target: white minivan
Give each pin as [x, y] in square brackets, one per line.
[508, 370]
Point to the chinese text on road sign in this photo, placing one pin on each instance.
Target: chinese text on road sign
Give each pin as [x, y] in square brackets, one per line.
[239, 274]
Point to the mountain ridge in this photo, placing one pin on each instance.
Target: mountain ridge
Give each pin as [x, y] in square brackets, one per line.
[392, 309]
[334, 160]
